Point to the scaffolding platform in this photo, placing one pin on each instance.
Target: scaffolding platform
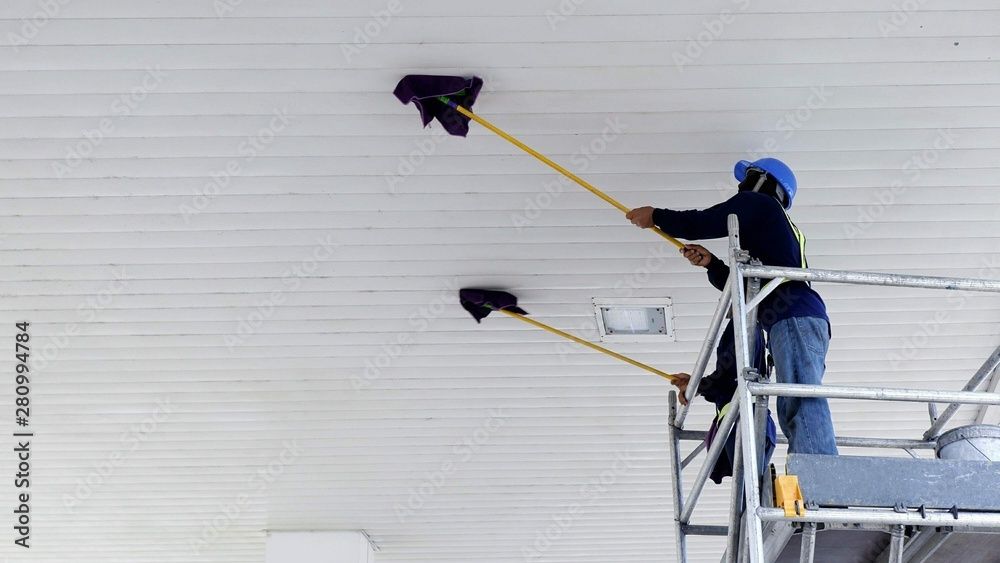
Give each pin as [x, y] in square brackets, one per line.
[896, 484]
[852, 509]
[866, 546]
[890, 482]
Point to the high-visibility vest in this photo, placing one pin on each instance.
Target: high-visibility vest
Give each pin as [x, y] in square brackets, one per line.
[799, 237]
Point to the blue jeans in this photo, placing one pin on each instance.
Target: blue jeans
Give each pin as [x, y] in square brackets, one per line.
[798, 346]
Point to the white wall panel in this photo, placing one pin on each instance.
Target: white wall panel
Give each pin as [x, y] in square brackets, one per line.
[364, 380]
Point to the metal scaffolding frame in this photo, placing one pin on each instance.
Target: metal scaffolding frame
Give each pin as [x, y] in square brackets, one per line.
[746, 523]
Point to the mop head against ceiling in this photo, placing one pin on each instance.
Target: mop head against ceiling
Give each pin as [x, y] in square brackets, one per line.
[480, 302]
[423, 90]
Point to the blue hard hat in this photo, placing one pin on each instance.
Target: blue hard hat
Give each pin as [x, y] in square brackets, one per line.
[776, 169]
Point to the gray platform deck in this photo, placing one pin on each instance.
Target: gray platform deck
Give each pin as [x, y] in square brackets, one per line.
[857, 481]
[849, 546]
[838, 481]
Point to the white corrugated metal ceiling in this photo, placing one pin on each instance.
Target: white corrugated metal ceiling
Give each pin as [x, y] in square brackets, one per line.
[239, 255]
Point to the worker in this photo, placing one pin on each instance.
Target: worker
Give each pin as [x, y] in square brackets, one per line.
[793, 315]
[718, 388]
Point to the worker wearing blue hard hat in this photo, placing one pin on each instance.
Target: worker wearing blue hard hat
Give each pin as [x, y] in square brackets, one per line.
[793, 315]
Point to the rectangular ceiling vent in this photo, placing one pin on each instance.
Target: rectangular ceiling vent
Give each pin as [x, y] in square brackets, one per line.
[635, 320]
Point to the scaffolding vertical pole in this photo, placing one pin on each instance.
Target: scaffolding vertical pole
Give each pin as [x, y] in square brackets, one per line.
[735, 500]
[743, 544]
[760, 402]
[896, 544]
[751, 486]
[807, 552]
[675, 476]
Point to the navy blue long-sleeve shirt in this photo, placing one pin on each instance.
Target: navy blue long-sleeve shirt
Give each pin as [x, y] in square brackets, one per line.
[766, 234]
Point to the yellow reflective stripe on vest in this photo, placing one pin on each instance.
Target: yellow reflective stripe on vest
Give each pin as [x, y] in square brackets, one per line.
[801, 239]
[723, 411]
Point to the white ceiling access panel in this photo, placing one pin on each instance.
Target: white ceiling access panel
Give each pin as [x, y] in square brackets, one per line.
[319, 547]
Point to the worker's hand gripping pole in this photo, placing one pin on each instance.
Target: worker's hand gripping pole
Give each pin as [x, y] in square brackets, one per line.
[591, 345]
[541, 157]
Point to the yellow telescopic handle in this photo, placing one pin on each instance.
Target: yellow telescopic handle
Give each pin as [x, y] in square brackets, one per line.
[591, 345]
[593, 189]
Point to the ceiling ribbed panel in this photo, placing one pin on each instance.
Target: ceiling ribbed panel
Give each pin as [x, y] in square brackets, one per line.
[240, 255]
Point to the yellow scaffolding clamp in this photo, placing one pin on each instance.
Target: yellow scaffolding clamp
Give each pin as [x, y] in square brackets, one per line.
[788, 495]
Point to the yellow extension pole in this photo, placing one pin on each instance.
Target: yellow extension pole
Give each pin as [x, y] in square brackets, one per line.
[591, 345]
[593, 189]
